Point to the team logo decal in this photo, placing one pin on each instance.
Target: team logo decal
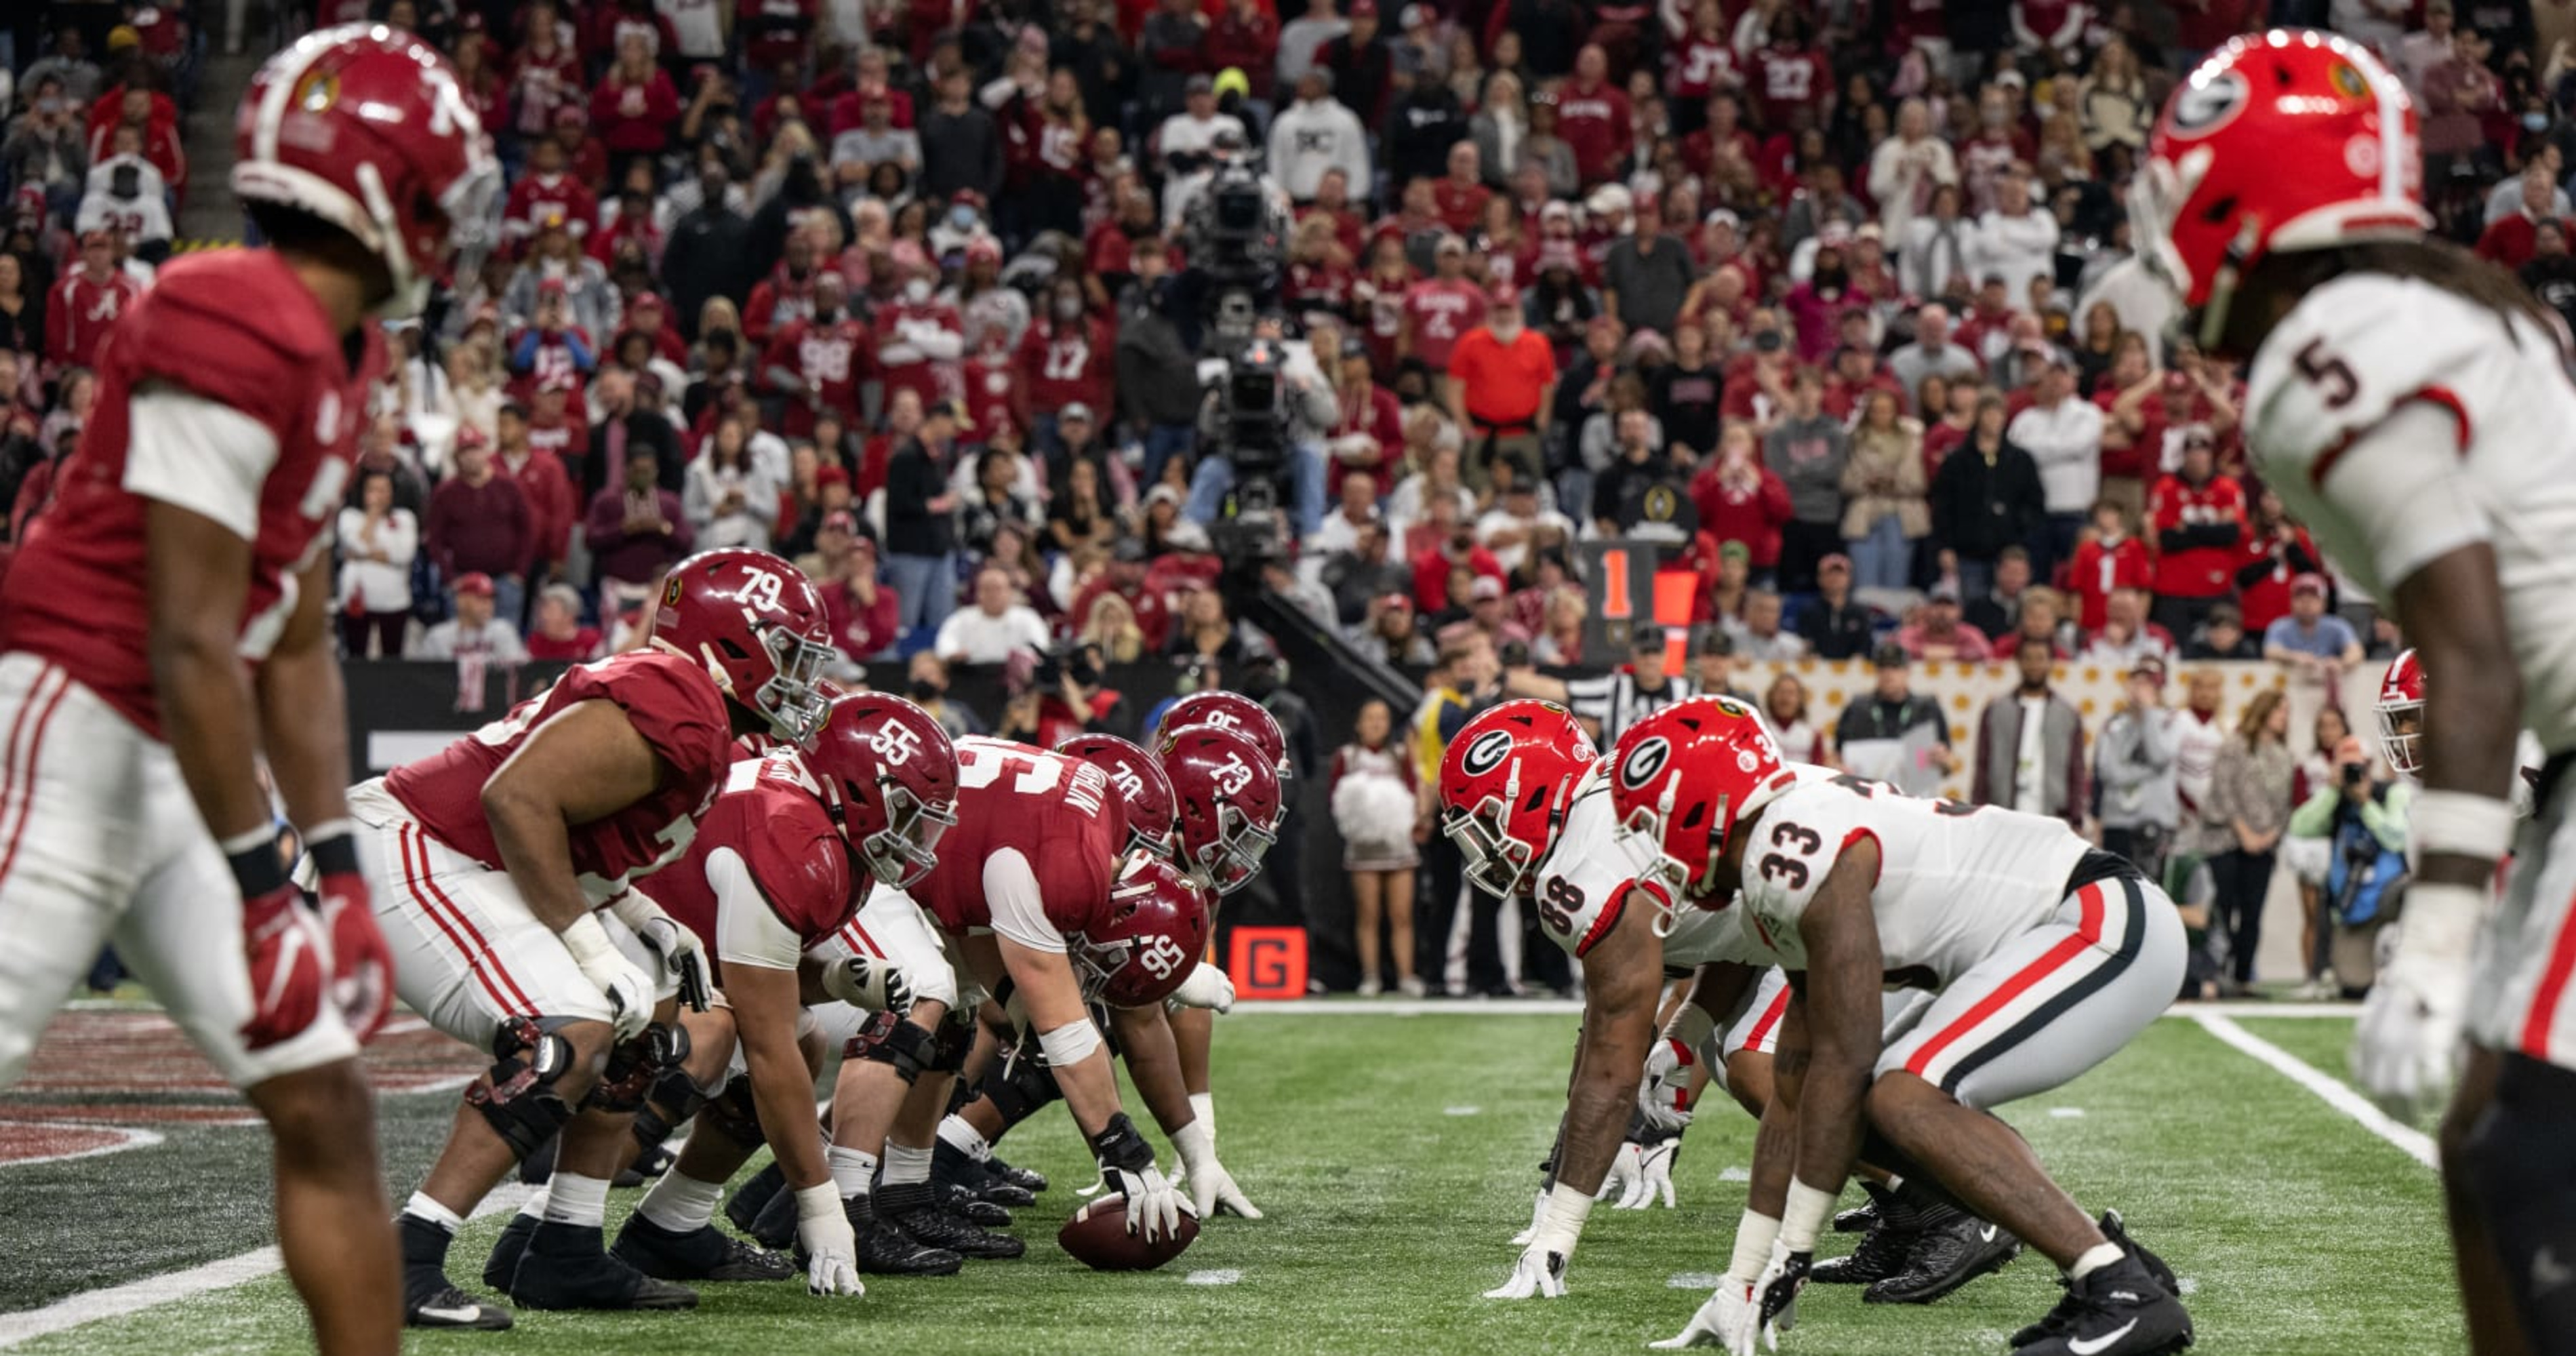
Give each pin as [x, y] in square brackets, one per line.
[1661, 504]
[2348, 80]
[1645, 762]
[2205, 106]
[1485, 752]
[671, 592]
[1746, 760]
[316, 92]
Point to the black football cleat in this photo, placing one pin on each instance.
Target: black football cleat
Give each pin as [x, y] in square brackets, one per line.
[913, 1208]
[1946, 1256]
[952, 1166]
[702, 1254]
[973, 1209]
[775, 1229]
[885, 1250]
[2119, 1310]
[507, 1250]
[1883, 1250]
[2113, 1230]
[567, 1267]
[1029, 1180]
[744, 1207]
[430, 1300]
[1860, 1219]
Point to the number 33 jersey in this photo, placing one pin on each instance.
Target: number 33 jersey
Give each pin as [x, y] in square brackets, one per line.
[1035, 848]
[2400, 422]
[1955, 882]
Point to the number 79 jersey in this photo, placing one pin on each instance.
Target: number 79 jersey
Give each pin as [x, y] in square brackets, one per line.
[2401, 421]
[1955, 882]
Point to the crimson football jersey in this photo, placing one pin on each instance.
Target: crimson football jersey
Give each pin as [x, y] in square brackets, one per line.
[769, 816]
[831, 359]
[1059, 813]
[1442, 312]
[235, 327]
[670, 702]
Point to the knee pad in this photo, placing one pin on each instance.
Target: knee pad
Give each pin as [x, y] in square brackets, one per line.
[1019, 1093]
[732, 1114]
[517, 1096]
[674, 1099]
[954, 1041]
[890, 1040]
[635, 1066]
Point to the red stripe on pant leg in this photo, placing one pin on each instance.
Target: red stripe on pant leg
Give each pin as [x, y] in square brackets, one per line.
[2088, 932]
[2553, 988]
[483, 945]
[415, 874]
[1770, 1019]
[10, 788]
[35, 756]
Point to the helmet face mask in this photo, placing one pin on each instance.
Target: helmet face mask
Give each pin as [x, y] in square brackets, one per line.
[906, 849]
[1496, 862]
[2400, 713]
[1230, 863]
[791, 700]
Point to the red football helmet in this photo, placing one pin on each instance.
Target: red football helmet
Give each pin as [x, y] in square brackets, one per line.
[2287, 140]
[1226, 795]
[1150, 936]
[757, 625]
[1679, 780]
[1140, 780]
[366, 128]
[1505, 786]
[1230, 711]
[2401, 712]
[889, 776]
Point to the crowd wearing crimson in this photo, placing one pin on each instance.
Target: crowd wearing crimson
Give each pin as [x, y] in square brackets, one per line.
[1835, 298]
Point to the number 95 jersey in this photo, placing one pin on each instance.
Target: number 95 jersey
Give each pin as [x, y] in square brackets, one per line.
[2400, 422]
[1955, 882]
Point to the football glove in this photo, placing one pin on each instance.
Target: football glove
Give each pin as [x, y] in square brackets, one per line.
[868, 983]
[682, 955]
[1154, 1205]
[1207, 987]
[623, 983]
[1655, 1157]
[362, 967]
[1730, 1319]
[2406, 1048]
[1664, 1098]
[1540, 1272]
[1537, 1212]
[1627, 1169]
[289, 966]
[1211, 1187]
[1779, 1286]
[830, 1245]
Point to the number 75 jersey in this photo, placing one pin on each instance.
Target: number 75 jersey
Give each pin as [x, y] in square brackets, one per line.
[2400, 422]
[1955, 882]
[1025, 817]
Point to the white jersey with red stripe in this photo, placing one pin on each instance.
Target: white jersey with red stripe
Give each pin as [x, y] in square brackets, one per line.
[1584, 880]
[2401, 421]
[1956, 883]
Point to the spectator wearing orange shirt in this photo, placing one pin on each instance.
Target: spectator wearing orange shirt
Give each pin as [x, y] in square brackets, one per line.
[1502, 379]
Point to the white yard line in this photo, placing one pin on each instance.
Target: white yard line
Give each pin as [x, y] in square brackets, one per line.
[1561, 1007]
[2334, 1092]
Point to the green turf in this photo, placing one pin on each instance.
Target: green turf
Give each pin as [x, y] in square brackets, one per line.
[2299, 1231]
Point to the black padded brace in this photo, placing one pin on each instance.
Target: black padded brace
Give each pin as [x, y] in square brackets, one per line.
[894, 1041]
[517, 1096]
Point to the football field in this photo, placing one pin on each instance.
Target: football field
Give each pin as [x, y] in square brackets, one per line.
[1395, 1148]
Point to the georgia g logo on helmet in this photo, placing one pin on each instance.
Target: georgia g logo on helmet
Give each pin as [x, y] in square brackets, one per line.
[1645, 762]
[2202, 107]
[1485, 753]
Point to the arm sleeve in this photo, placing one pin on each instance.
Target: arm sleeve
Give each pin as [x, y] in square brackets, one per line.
[748, 931]
[1018, 908]
[2315, 815]
[2400, 487]
[200, 455]
[2386, 818]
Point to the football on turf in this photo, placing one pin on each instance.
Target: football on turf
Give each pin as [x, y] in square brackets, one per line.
[1097, 1237]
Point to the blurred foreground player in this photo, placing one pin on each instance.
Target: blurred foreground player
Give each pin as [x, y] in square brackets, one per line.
[2412, 404]
[167, 624]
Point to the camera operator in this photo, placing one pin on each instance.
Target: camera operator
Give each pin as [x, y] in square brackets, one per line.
[1193, 170]
[2364, 819]
[1308, 411]
[1062, 696]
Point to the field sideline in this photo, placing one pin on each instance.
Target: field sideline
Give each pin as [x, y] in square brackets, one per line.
[1395, 1146]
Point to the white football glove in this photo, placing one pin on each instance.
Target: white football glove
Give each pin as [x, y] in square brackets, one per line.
[1654, 1176]
[869, 983]
[1627, 1169]
[1730, 1319]
[831, 1246]
[1154, 1205]
[621, 981]
[2406, 1048]
[1540, 1272]
[1207, 987]
[1211, 1187]
[1664, 1098]
[1537, 1212]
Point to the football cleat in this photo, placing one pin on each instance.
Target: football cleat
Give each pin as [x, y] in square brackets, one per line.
[745, 1205]
[1029, 1180]
[507, 1250]
[2113, 1230]
[950, 1165]
[430, 1300]
[912, 1208]
[568, 1267]
[702, 1254]
[966, 1205]
[2119, 1310]
[1860, 1219]
[885, 1250]
[1946, 1256]
[1883, 1249]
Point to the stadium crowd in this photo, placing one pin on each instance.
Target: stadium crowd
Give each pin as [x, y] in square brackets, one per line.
[1835, 298]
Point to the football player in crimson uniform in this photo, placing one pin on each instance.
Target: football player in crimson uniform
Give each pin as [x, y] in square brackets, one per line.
[491, 862]
[191, 532]
[2043, 954]
[779, 868]
[2410, 404]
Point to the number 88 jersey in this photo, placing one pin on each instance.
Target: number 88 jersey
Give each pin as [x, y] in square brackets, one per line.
[1955, 882]
[1581, 888]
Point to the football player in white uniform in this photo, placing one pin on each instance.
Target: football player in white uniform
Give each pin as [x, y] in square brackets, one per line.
[2044, 955]
[2412, 404]
[1524, 794]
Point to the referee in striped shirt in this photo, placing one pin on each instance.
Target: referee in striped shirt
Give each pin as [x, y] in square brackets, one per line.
[1608, 705]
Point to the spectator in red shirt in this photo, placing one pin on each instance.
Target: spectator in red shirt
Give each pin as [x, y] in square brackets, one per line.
[547, 192]
[635, 104]
[1593, 117]
[1125, 575]
[543, 481]
[2108, 559]
[2199, 519]
[2509, 240]
[2275, 552]
[1460, 195]
[861, 609]
[1246, 38]
[558, 635]
[1740, 499]
[1431, 568]
[85, 304]
[1790, 74]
